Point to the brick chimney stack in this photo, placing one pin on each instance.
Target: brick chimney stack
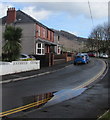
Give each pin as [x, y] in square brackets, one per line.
[11, 15]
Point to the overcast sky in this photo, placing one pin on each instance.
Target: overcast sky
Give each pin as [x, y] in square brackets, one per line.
[71, 16]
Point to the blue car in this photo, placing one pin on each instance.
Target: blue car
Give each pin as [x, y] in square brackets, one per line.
[81, 58]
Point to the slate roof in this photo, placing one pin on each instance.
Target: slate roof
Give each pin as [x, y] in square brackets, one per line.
[22, 17]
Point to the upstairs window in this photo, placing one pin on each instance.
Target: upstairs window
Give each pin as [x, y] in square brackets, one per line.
[51, 36]
[38, 30]
[44, 33]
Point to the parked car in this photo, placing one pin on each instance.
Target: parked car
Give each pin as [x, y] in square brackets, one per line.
[103, 55]
[25, 57]
[31, 56]
[81, 58]
[91, 54]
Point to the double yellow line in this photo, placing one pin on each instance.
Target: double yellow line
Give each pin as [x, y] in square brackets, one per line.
[15, 110]
[12, 111]
[94, 78]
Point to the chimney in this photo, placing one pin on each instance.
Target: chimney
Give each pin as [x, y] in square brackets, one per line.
[11, 15]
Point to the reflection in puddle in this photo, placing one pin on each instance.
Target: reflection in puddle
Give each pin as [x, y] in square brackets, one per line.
[51, 98]
[37, 101]
[63, 95]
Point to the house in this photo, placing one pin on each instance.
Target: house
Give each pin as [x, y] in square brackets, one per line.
[68, 42]
[37, 38]
[58, 46]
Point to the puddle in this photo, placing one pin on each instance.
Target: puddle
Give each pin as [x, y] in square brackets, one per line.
[36, 101]
[51, 98]
[63, 95]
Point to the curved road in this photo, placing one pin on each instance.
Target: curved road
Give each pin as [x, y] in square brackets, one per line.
[66, 78]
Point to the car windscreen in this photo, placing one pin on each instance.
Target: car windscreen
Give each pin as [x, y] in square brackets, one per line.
[79, 56]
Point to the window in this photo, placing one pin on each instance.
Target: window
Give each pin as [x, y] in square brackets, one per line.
[58, 38]
[40, 49]
[44, 35]
[38, 31]
[51, 36]
[39, 45]
[58, 49]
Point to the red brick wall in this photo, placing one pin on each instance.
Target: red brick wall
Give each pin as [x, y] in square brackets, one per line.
[47, 49]
[48, 35]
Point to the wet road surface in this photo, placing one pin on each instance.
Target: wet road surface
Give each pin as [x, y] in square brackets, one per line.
[67, 78]
[91, 103]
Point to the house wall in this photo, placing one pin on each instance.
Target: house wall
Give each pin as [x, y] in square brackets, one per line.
[69, 45]
[28, 38]
[44, 33]
[31, 31]
[58, 47]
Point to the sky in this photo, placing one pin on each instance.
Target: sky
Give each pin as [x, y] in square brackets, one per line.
[69, 15]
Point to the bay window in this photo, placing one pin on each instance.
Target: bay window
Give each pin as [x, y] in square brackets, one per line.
[40, 48]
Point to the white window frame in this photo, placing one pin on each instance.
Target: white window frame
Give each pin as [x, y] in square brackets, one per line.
[58, 50]
[42, 48]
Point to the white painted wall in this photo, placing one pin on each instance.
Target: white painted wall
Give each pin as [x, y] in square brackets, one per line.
[18, 66]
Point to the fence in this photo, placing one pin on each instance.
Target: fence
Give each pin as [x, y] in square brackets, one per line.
[45, 60]
[18, 66]
[65, 57]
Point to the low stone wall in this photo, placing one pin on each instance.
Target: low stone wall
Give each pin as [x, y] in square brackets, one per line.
[18, 66]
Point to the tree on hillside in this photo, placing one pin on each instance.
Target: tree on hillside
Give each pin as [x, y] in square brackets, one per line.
[12, 47]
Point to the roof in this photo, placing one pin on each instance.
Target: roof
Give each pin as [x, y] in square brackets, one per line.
[46, 42]
[22, 17]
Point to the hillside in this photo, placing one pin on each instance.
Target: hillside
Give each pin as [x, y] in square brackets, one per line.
[70, 36]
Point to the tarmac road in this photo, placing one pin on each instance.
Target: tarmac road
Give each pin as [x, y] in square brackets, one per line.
[67, 78]
[89, 105]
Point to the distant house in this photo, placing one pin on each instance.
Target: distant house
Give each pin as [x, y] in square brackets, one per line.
[69, 42]
[37, 38]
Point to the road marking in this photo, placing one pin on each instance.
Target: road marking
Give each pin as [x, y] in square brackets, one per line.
[27, 77]
[93, 79]
[15, 110]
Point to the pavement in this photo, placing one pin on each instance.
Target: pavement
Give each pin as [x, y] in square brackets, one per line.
[33, 73]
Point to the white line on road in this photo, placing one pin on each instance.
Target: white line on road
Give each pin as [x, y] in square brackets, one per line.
[27, 77]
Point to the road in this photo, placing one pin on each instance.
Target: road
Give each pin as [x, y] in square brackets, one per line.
[68, 78]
